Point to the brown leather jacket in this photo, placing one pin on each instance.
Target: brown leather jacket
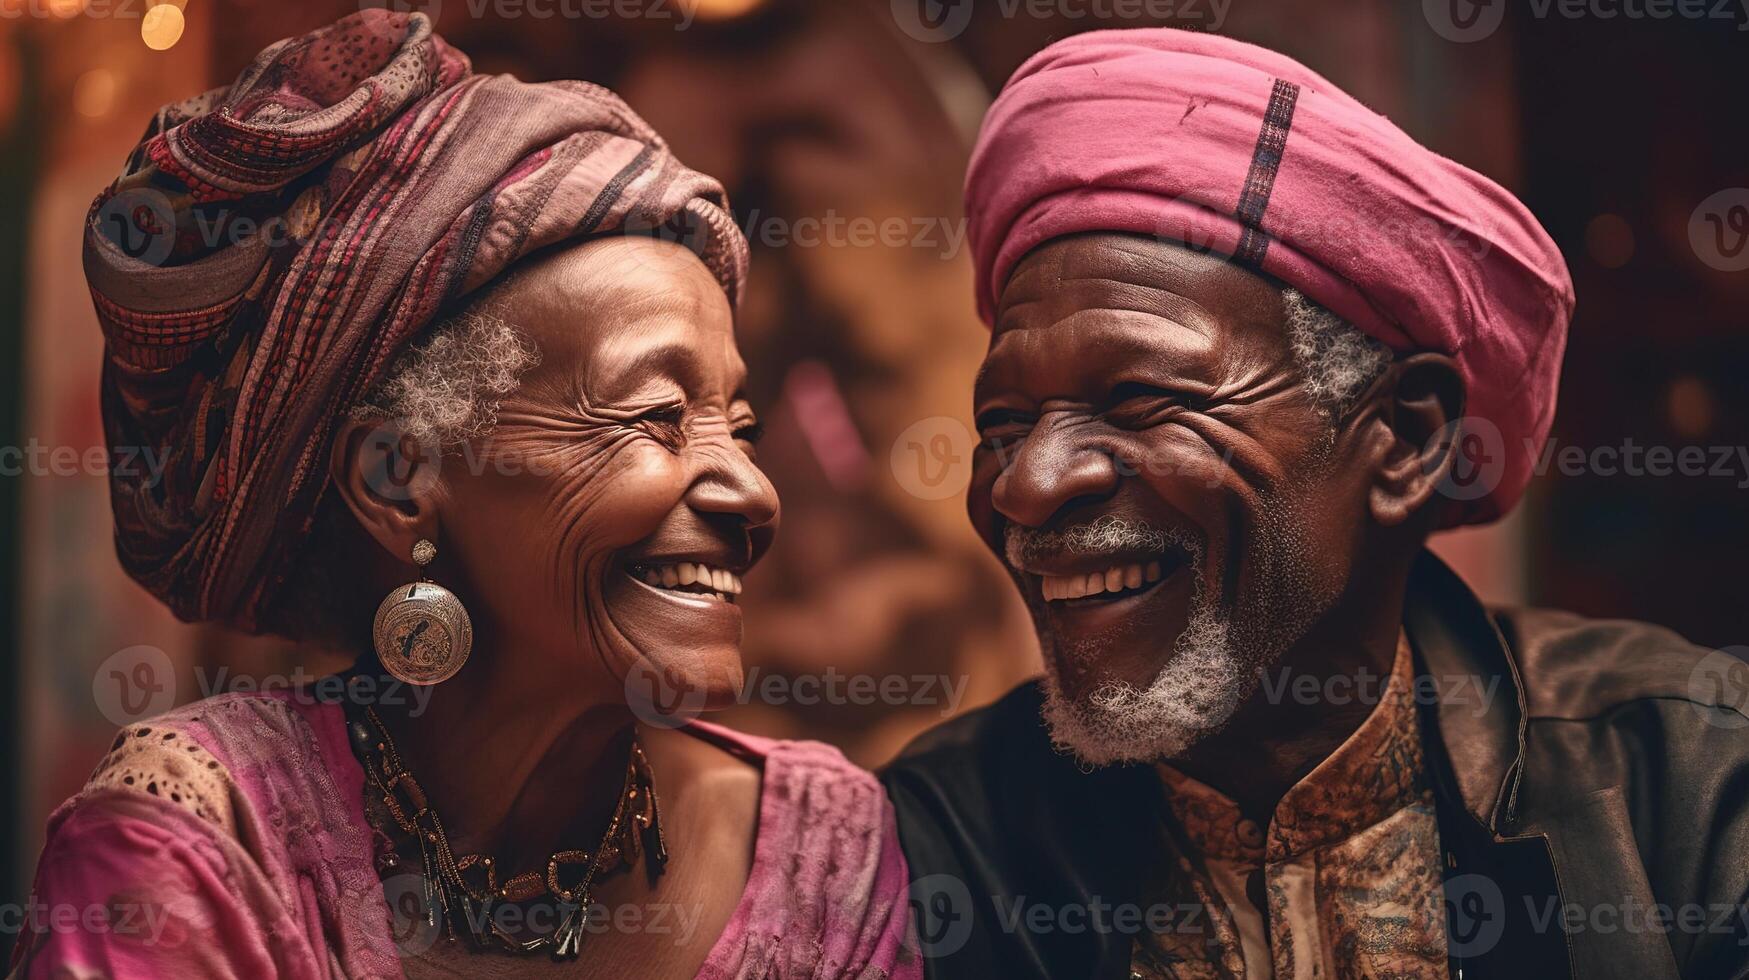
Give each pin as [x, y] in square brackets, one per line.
[1593, 810]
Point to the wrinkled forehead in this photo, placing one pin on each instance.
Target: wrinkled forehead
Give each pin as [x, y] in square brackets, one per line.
[1113, 300]
[616, 307]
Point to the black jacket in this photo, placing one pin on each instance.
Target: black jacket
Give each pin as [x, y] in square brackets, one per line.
[1607, 778]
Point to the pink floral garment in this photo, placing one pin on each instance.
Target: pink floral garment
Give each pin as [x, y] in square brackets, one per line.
[228, 839]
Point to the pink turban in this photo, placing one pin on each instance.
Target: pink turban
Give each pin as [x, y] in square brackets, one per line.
[272, 245]
[1231, 148]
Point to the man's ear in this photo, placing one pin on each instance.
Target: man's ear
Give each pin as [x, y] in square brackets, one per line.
[389, 481]
[1419, 399]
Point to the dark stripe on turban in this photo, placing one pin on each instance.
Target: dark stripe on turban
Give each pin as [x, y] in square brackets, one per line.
[1233, 149]
[271, 245]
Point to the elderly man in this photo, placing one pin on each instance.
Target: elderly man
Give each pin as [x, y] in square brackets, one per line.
[1251, 345]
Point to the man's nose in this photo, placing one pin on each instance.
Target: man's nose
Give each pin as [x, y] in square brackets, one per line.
[1053, 468]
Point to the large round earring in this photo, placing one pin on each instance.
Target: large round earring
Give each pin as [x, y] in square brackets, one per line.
[422, 632]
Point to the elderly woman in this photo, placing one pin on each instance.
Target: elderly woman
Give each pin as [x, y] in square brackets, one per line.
[444, 366]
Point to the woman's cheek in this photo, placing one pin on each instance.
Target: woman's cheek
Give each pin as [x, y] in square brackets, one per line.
[640, 488]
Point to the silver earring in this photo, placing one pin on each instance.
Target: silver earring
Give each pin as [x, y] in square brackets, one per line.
[422, 632]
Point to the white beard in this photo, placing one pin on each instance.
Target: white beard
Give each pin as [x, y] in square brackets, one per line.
[1194, 694]
[1217, 663]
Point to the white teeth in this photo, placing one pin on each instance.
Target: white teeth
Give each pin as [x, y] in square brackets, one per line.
[724, 582]
[1118, 578]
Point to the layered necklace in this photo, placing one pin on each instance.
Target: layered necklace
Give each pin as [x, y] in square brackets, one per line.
[467, 888]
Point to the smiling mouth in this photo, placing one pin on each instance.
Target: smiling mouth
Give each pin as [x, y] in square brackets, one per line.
[1120, 580]
[689, 578]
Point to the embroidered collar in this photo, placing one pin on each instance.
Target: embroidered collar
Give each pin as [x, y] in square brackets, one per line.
[1371, 775]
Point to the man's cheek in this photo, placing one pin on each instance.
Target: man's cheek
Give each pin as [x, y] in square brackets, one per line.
[979, 508]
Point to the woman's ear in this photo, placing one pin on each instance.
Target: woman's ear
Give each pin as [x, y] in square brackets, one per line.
[1420, 399]
[389, 481]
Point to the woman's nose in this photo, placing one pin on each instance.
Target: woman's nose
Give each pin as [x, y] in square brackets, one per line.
[731, 484]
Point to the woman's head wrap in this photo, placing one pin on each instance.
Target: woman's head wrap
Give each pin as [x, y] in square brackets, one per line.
[271, 245]
[1234, 149]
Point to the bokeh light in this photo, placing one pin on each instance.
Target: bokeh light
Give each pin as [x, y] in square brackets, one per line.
[94, 93]
[717, 10]
[1689, 406]
[162, 27]
[1609, 240]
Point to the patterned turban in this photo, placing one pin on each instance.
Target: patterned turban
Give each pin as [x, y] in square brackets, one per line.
[1233, 149]
[272, 245]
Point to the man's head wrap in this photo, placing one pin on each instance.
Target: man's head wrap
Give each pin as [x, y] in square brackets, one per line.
[1233, 149]
[272, 245]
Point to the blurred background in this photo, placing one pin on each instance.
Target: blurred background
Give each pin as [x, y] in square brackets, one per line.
[828, 116]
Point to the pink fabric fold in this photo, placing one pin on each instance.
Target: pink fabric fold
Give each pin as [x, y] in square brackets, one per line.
[285, 884]
[827, 864]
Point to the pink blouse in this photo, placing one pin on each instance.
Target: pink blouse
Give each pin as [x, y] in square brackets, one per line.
[228, 839]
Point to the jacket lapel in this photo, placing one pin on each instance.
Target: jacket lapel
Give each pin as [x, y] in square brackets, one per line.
[1499, 886]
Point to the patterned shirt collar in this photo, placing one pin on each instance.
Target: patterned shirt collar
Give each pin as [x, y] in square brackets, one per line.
[1371, 775]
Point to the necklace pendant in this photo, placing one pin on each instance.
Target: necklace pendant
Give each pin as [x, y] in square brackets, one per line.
[655, 850]
[568, 938]
[468, 888]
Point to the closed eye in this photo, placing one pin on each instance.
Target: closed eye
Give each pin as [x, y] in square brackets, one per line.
[1000, 429]
[664, 423]
[1141, 389]
[1139, 403]
[751, 433]
[997, 418]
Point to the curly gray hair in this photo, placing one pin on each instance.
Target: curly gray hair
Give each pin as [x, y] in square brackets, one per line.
[1338, 360]
[445, 389]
